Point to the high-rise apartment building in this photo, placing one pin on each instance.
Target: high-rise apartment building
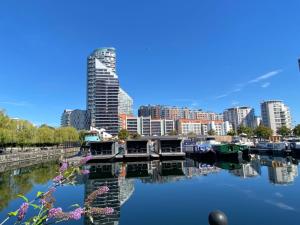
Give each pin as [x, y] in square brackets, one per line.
[79, 119]
[275, 114]
[65, 118]
[103, 90]
[125, 103]
[240, 116]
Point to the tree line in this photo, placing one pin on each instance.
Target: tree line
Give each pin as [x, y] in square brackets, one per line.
[23, 133]
[265, 132]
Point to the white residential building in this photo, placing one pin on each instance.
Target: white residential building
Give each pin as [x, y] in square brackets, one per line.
[239, 116]
[275, 114]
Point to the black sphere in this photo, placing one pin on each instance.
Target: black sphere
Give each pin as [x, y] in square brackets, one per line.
[217, 217]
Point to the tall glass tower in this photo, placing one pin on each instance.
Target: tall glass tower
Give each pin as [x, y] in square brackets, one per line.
[103, 90]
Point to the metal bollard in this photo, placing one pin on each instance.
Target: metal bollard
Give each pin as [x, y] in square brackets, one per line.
[217, 217]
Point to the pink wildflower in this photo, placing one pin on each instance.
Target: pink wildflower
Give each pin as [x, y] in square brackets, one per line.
[108, 211]
[76, 214]
[22, 210]
[85, 159]
[54, 212]
[85, 172]
[58, 178]
[63, 167]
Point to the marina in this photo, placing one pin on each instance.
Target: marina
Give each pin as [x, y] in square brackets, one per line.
[261, 182]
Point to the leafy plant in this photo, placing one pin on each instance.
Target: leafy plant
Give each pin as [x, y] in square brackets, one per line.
[43, 204]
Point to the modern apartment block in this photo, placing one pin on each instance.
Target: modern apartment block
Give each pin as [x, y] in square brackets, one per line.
[175, 113]
[103, 90]
[125, 103]
[275, 114]
[146, 126]
[79, 119]
[240, 116]
[65, 118]
[202, 127]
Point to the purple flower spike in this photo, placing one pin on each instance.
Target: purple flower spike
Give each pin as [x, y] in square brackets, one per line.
[22, 211]
[85, 159]
[76, 214]
[63, 167]
[58, 178]
[85, 172]
[108, 211]
[54, 212]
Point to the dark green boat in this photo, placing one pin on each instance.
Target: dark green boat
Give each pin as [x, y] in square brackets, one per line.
[228, 149]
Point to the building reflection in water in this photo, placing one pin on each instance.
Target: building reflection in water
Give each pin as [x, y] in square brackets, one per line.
[120, 177]
[281, 170]
[248, 169]
[120, 190]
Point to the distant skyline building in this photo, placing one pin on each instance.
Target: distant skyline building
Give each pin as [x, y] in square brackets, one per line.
[175, 113]
[240, 116]
[103, 90]
[275, 114]
[202, 127]
[79, 119]
[65, 120]
[125, 103]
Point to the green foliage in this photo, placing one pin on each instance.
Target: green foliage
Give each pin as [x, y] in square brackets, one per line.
[123, 134]
[81, 134]
[23, 133]
[284, 131]
[135, 136]
[263, 132]
[297, 130]
[45, 135]
[245, 130]
[211, 132]
[174, 132]
[231, 133]
[191, 134]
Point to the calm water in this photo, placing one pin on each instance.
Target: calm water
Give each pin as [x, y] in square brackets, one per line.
[264, 191]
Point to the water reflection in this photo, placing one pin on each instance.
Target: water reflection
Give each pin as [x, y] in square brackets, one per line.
[120, 177]
[22, 180]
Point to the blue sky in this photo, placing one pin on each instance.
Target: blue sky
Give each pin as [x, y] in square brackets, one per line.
[208, 54]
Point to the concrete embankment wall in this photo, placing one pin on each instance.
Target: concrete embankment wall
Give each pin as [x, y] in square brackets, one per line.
[22, 159]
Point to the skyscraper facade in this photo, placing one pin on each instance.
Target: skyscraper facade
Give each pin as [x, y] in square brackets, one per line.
[275, 114]
[125, 103]
[103, 90]
[79, 119]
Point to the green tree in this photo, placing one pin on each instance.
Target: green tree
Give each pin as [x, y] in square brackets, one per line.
[173, 132]
[231, 133]
[263, 132]
[296, 130]
[284, 131]
[82, 134]
[245, 130]
[123, 134]
[211, 132]
[191, 134]
[25, 133]
[135, 136]
[45, 135]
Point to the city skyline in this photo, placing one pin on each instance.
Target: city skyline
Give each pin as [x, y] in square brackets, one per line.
[223, 65]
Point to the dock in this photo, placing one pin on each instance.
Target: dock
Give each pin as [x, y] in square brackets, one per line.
[149, 148]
